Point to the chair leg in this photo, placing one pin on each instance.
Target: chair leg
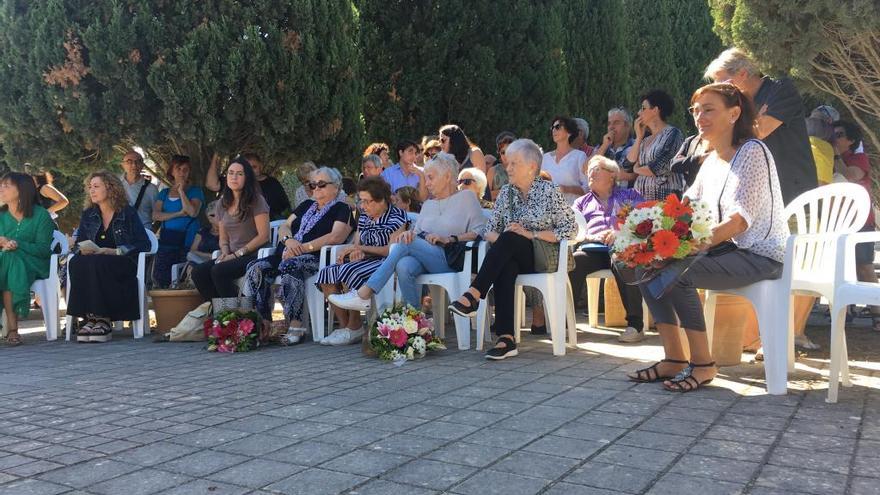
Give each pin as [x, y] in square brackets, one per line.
[438, 306]
[571, 318]
[775, 341]
[519, 302]
[593, 301]
[482, 324]
[555, 316]
[68, 326]
[709, 315]
[838, 340]
[646, 317]
[790, 334]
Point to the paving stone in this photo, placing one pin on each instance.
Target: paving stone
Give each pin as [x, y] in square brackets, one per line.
[202, 463]
[566, 447]
[430, 474]
[156, 453]
[13, 460]
[818, 443]
[715, 468]
[807, 459]
[801, 480]
[383, 487]
[863, 466]
[869, 448]
[572, 489]
[353, 436]
[256, 444]
[734, 434]
[864, 486]
[308, 453]
[316, 482]
[209, 437]
[443, 430]
[598, 433]
[32, 468]
[369, 463]
[730, 450]
[612, 477]
[207, 487]
[32, 487]
[256, 473]
[469, 454]
[142, 482]
[676, 484]
[535, 465]
[405, 444]
[88, 473]
[636, 457]
[658, 441]
[496, 483]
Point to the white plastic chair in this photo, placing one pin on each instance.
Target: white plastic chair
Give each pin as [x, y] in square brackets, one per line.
[49, 289]
[848, 290]
[274, 229]
[138, 326]
[821, 214]
[593, 281]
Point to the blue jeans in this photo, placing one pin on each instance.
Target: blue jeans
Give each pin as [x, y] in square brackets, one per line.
[409, 261]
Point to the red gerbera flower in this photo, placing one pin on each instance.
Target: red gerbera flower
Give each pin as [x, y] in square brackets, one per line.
[665, 243]
[674, 208]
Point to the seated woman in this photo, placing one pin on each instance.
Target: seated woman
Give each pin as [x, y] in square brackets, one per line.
[48, 196]
[356, 262]
[320, 221]
[243, 216]
[474, 180]
[599, 207]
[103, 284]
[207, 240]
[450, 216]
[25, 238]
[177, 207]
[526, 209]
[738, 178]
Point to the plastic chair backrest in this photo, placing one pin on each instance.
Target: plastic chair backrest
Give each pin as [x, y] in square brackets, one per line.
[59, 239]
[274, 228]
[833, 208]
[582, 226]
[154, 241]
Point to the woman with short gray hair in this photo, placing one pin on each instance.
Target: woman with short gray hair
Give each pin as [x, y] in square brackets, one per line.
[449, 216]
[527, 209]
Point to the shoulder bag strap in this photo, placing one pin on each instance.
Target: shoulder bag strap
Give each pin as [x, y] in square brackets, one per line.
[140, 198]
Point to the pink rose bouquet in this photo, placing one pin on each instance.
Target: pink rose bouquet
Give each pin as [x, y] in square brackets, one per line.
[403, 333]
[233, 331]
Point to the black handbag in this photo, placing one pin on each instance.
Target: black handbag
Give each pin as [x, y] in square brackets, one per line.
[174, 239]
[454, 252]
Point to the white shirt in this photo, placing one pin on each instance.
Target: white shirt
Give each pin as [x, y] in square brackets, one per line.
[567, 172]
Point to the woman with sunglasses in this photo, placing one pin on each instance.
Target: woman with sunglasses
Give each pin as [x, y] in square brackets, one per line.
[320, 221]
[565, 163]
[243, 216]
[474, 180]
[454, 141]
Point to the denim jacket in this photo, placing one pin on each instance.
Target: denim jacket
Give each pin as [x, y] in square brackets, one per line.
[128, 231]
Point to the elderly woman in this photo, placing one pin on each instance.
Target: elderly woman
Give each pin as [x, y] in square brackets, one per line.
[450, 216]
[320, 221]
[599, 207]
[527, 209]
[243, 217]
[25, 237]
[103, 285]
[474, 180]
[178, 208]
[378, 221]
[739, 183]
[565, 163]
[651, 155]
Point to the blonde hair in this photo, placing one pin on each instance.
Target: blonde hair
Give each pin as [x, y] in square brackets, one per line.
[115, 190]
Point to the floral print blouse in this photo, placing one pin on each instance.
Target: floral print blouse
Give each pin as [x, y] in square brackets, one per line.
[544, 208]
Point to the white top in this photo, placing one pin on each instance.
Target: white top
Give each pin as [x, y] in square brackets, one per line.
[742, 186]
[457, 214]
[567, 172]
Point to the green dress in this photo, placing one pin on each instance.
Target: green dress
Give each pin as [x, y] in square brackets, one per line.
[30, 261]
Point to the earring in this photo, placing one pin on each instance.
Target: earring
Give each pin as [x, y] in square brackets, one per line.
[733, 121]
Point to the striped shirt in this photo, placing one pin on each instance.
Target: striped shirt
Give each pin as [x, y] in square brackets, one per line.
[657, 155]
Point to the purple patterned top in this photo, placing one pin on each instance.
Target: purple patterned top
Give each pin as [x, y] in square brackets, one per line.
[598, 217]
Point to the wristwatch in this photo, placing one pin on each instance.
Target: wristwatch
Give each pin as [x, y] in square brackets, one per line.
[286, 238]
[118, 251]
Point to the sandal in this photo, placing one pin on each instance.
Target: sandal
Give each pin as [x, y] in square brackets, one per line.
[685, 381]
[13, 339]
[499, 353]
[462, 310]
[651, 375]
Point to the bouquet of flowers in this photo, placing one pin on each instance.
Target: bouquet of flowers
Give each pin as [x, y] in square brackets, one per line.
[233, 331]
[658, 231]
[403, 333]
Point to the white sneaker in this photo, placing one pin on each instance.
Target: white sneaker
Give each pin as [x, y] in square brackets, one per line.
[326, 340]
[350, 300]
[294, 335]
[344, 336]
[630, 335]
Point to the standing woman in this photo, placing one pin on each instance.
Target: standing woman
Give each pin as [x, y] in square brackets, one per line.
[738, 181]
[527, 208]
[454, 141]
[25, 239]
[321, 221]
[243, 216]
[565, 164]
[651, 155]
[48, 196]
[355, 263]
[177, 207]
[102, 282]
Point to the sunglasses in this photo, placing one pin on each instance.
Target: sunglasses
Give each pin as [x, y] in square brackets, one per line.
[466, 182]
[556, 126]
[318, 185]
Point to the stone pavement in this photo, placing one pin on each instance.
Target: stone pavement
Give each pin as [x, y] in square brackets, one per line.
[133, 417]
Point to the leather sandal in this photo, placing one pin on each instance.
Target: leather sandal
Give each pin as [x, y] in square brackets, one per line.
[651, 375]
[499, 353]
[462, 310]
[13, 338]
[685, 381]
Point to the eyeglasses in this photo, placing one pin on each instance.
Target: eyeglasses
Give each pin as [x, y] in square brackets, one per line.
[466, 182]
[318, 185]
[840, 134]
[556, 126]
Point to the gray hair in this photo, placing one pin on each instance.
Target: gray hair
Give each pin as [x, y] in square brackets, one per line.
[528, 150]
[817, 127]
[732, 61]
[372, 158]
[603, 161]
[478, 176]
[583, 126]
[445, 164]
[331, 173]
[623, 113]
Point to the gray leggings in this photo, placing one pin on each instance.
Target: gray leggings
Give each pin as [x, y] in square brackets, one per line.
[681, 304]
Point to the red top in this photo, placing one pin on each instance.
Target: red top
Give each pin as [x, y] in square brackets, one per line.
[860, 160]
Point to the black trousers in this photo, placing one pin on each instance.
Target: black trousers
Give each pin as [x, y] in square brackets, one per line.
[218, 279]
[510, 255]
[589, 262]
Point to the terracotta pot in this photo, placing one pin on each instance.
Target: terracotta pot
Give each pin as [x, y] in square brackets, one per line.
[735, 322]
[615, 314]
[171, 306]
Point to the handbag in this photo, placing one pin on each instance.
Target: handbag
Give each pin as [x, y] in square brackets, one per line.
[454, 252]
[546, 253]
[221, 304]
[192, 327]
[174, 239]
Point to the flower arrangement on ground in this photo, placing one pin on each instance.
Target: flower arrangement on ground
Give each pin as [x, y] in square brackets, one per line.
[403, 333]
[233, 331]
[658, 231]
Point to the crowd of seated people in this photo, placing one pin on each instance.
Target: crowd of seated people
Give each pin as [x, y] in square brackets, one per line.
[749, 156]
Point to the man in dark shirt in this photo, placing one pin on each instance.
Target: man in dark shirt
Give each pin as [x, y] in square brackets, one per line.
[780, 122]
